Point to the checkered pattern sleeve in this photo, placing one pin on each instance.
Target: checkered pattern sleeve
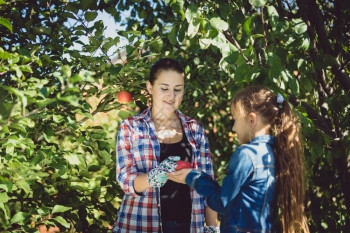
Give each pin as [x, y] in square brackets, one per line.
[205, 158]
[205, 154]
[126, 167]
[202, 162]
[136, 152]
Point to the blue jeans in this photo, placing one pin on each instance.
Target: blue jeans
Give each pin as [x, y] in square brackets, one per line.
[175, 227]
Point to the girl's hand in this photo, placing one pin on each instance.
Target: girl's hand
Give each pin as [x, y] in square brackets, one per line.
[179, 176]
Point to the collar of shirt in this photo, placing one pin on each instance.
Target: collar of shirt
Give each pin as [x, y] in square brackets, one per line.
[263, 139]
[146, 115]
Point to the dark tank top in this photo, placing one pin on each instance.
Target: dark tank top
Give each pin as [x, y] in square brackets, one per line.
[175, 198]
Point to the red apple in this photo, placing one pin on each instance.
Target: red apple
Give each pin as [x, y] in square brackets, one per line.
[182, 164]
[124, 97]
[43, 229]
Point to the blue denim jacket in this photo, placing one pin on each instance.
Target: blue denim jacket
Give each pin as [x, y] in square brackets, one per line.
[244, 201]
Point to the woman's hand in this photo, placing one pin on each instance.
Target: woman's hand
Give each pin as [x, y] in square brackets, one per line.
[158, 176]
[179, 176]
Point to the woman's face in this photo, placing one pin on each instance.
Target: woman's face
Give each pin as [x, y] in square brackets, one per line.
[167, 91]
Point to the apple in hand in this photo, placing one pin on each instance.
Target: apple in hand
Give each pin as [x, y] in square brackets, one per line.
[182, 164]
[124, 97]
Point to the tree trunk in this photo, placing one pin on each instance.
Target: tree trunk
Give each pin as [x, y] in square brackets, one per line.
[312, 16]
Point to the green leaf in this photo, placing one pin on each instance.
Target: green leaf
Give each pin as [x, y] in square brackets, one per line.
[258, 3]
[60, 209]
[156, 45]
[98, 135]
[5, 107]
[123, 114]
[245, 73]
[43, 103]
[41, 30]
[292, 82]
[86, 4]
[24, 185]
[273, 16]
[90, 15]
[191, 12]
[219, 24]
[182, 33]
[105, 156]
[94, 168]
[62, 221]
[324, 61]
[5, 211]
[256, 36]
[305, 44]
[19, 127]
[172, 35]
[247, 25]
[107, 44]
[275, 65]
[48, 133]
[299, 26]
[3, 197]
[20, 218]
[4, 55]
[72, 99]
[66, 70]
[72, 159]
[5, 184]
[193, 27]
[177, 5]
[111, 2]
[204, 43]
[85, 174]
[6, 23]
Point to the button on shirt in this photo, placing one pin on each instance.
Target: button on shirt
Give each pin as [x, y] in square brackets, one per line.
[138, 152]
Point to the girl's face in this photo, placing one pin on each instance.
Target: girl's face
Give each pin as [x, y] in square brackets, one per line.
[167, 91]
[241, 125]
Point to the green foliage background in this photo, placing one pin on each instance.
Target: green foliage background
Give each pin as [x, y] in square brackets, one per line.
[57, 163]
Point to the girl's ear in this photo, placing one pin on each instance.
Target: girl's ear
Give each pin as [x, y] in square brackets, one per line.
[253, 118]
[149, 87]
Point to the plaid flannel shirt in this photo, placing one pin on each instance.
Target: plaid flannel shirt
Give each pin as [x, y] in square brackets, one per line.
[138, 151]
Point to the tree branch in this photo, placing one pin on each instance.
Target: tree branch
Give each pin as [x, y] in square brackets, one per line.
[319, 121]
[233, 41]
[312, 16]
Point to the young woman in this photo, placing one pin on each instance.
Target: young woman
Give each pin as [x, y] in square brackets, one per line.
[146, 147]
[267, 168]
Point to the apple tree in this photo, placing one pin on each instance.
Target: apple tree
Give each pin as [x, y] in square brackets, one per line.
[297, 48]
[59, 109]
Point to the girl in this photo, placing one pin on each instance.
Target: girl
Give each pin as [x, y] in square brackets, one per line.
[267, 168]
[145, 146]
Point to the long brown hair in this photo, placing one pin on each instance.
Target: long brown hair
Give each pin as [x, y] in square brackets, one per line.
[288, 150]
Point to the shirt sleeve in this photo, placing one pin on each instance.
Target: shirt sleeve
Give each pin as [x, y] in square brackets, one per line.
[219, 197]
[206, 156]
[126, 170]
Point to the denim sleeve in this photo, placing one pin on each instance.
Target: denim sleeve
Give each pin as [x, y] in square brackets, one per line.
[219, 197]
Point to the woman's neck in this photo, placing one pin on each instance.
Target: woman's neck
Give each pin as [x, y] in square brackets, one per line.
[161, 116]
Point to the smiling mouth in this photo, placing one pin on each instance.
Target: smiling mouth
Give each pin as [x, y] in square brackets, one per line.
[169, 103]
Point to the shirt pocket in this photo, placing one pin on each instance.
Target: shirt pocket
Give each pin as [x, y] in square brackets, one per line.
[143, 152]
